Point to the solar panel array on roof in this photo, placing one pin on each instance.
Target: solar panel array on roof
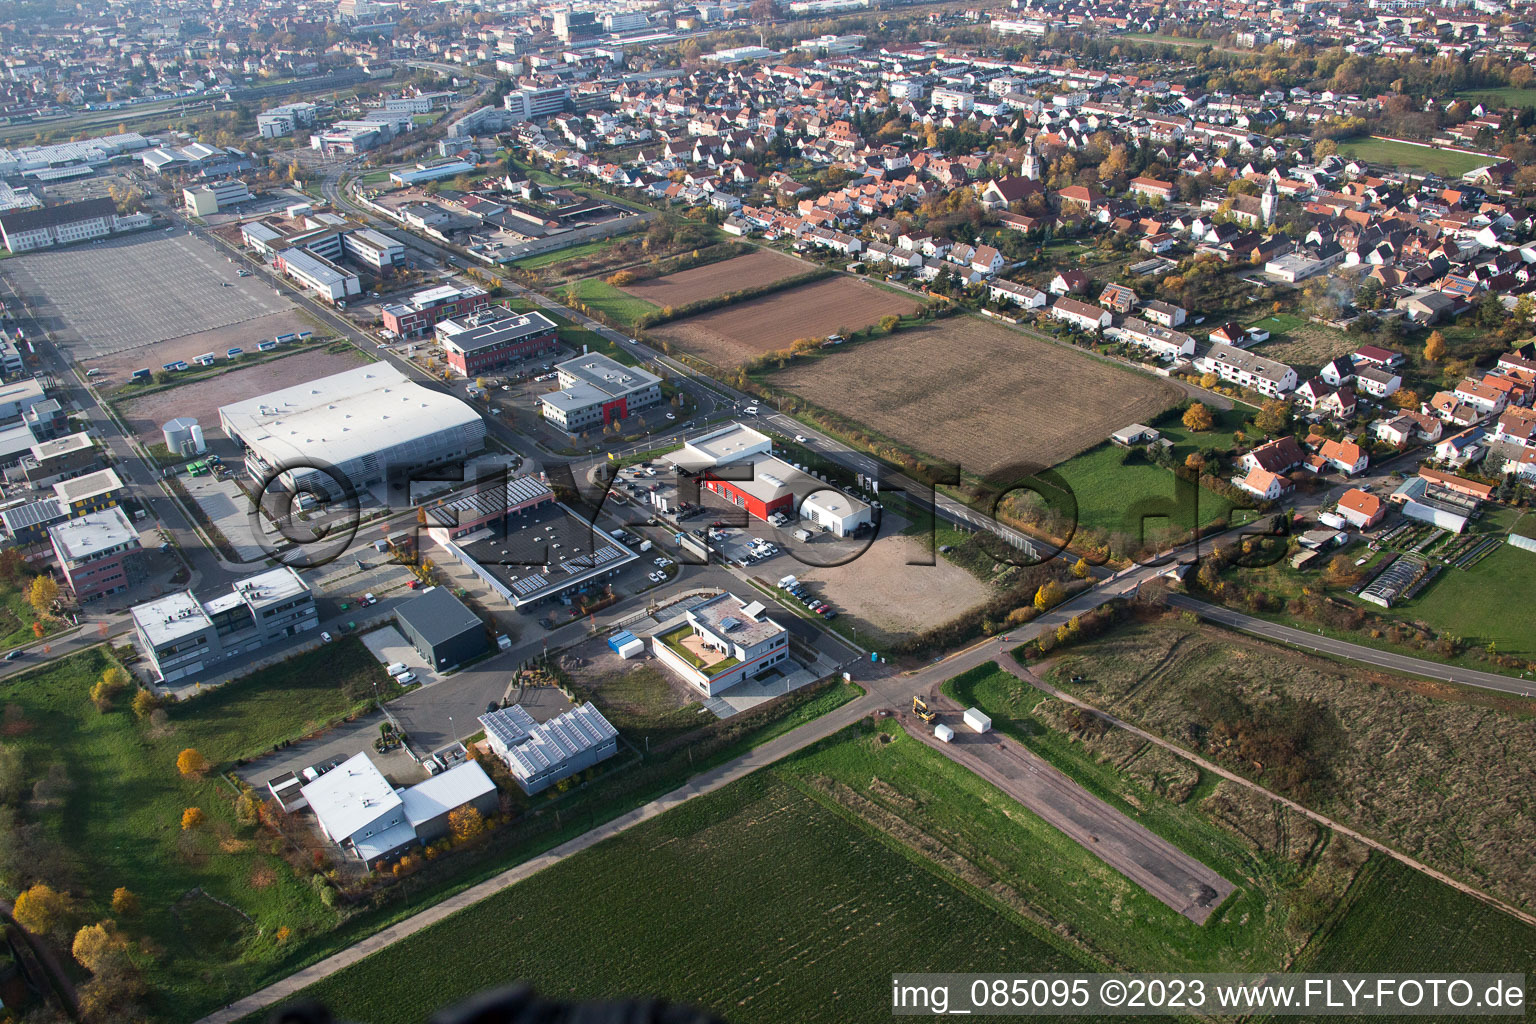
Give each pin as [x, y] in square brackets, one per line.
[528, 584]
[45, 511]
[510, 725]
[561, 738]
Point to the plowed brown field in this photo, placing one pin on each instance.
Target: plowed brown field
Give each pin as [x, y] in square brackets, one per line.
[758, 268]
[977, 394]
[736, 334]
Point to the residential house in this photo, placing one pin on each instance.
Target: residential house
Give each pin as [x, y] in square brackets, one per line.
[1164, 313]
[1462, 449]
[1278, 456]
[1263, 484]
[1378, 356]
[1266, 376]
[1345, 456]
[1018, 294]
[1069, 282]
[1486, 400]
[1338, 371]
[1376, 381]
[1361, 509]
[1118, 298]
[1081, 315]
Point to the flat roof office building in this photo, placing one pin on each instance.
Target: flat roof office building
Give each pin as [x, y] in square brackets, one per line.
[423, 310]
[525, 545]
[182, 636]
[366, 422]
[493, 337]
[91, 551]
[595, 390]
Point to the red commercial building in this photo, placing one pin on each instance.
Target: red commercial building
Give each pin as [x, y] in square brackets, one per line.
[768, 491]
[492, 337]
[424, 310]
[91, 551]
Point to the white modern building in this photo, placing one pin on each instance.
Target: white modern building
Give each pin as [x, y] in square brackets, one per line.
[723, 642]
[364, 423]
[595, 390]
[541, 754]
[278, 122]
[359, 810]
[43, 227]
[326, 279]
[181, 636]
[202, 200]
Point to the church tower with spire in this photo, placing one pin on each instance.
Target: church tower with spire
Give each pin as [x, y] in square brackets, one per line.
[1031, 168]
[1268, 201]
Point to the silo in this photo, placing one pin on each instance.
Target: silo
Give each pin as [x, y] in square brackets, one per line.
[178, 432]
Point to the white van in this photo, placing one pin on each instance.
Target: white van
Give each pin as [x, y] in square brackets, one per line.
[397, 669]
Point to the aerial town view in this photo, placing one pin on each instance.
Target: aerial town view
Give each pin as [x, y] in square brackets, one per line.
[767, 511]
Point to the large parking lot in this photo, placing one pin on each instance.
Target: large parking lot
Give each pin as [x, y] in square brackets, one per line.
[123, 293]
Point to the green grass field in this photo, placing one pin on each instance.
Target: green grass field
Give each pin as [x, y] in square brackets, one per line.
[1489, 603]
[758, 902]
[545, 259]
[17, 616]
[1399, 919]
[117, 819]
[1507, 96]
[794, 893]
[1106, 486]
[619, 306]
[1414, 158]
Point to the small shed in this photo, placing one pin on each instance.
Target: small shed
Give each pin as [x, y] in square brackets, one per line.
[944, 733]
[977, 721]
[618, 640]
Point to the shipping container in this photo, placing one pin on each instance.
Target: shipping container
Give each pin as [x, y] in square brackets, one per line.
[977, 720]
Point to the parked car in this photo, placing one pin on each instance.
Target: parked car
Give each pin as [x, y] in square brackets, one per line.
[326, 638]
[406, 678]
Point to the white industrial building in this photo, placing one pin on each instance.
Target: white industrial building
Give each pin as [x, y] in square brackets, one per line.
[764, 485]
[43, 227]
[541, 754]
[358, 810]
[201, 200]
[327, 280]
[362, 422]
[596, 390]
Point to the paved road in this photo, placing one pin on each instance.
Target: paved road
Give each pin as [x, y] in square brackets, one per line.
[1162, 869]
[1354, 652]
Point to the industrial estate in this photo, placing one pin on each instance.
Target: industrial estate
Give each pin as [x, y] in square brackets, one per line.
[726, 504]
